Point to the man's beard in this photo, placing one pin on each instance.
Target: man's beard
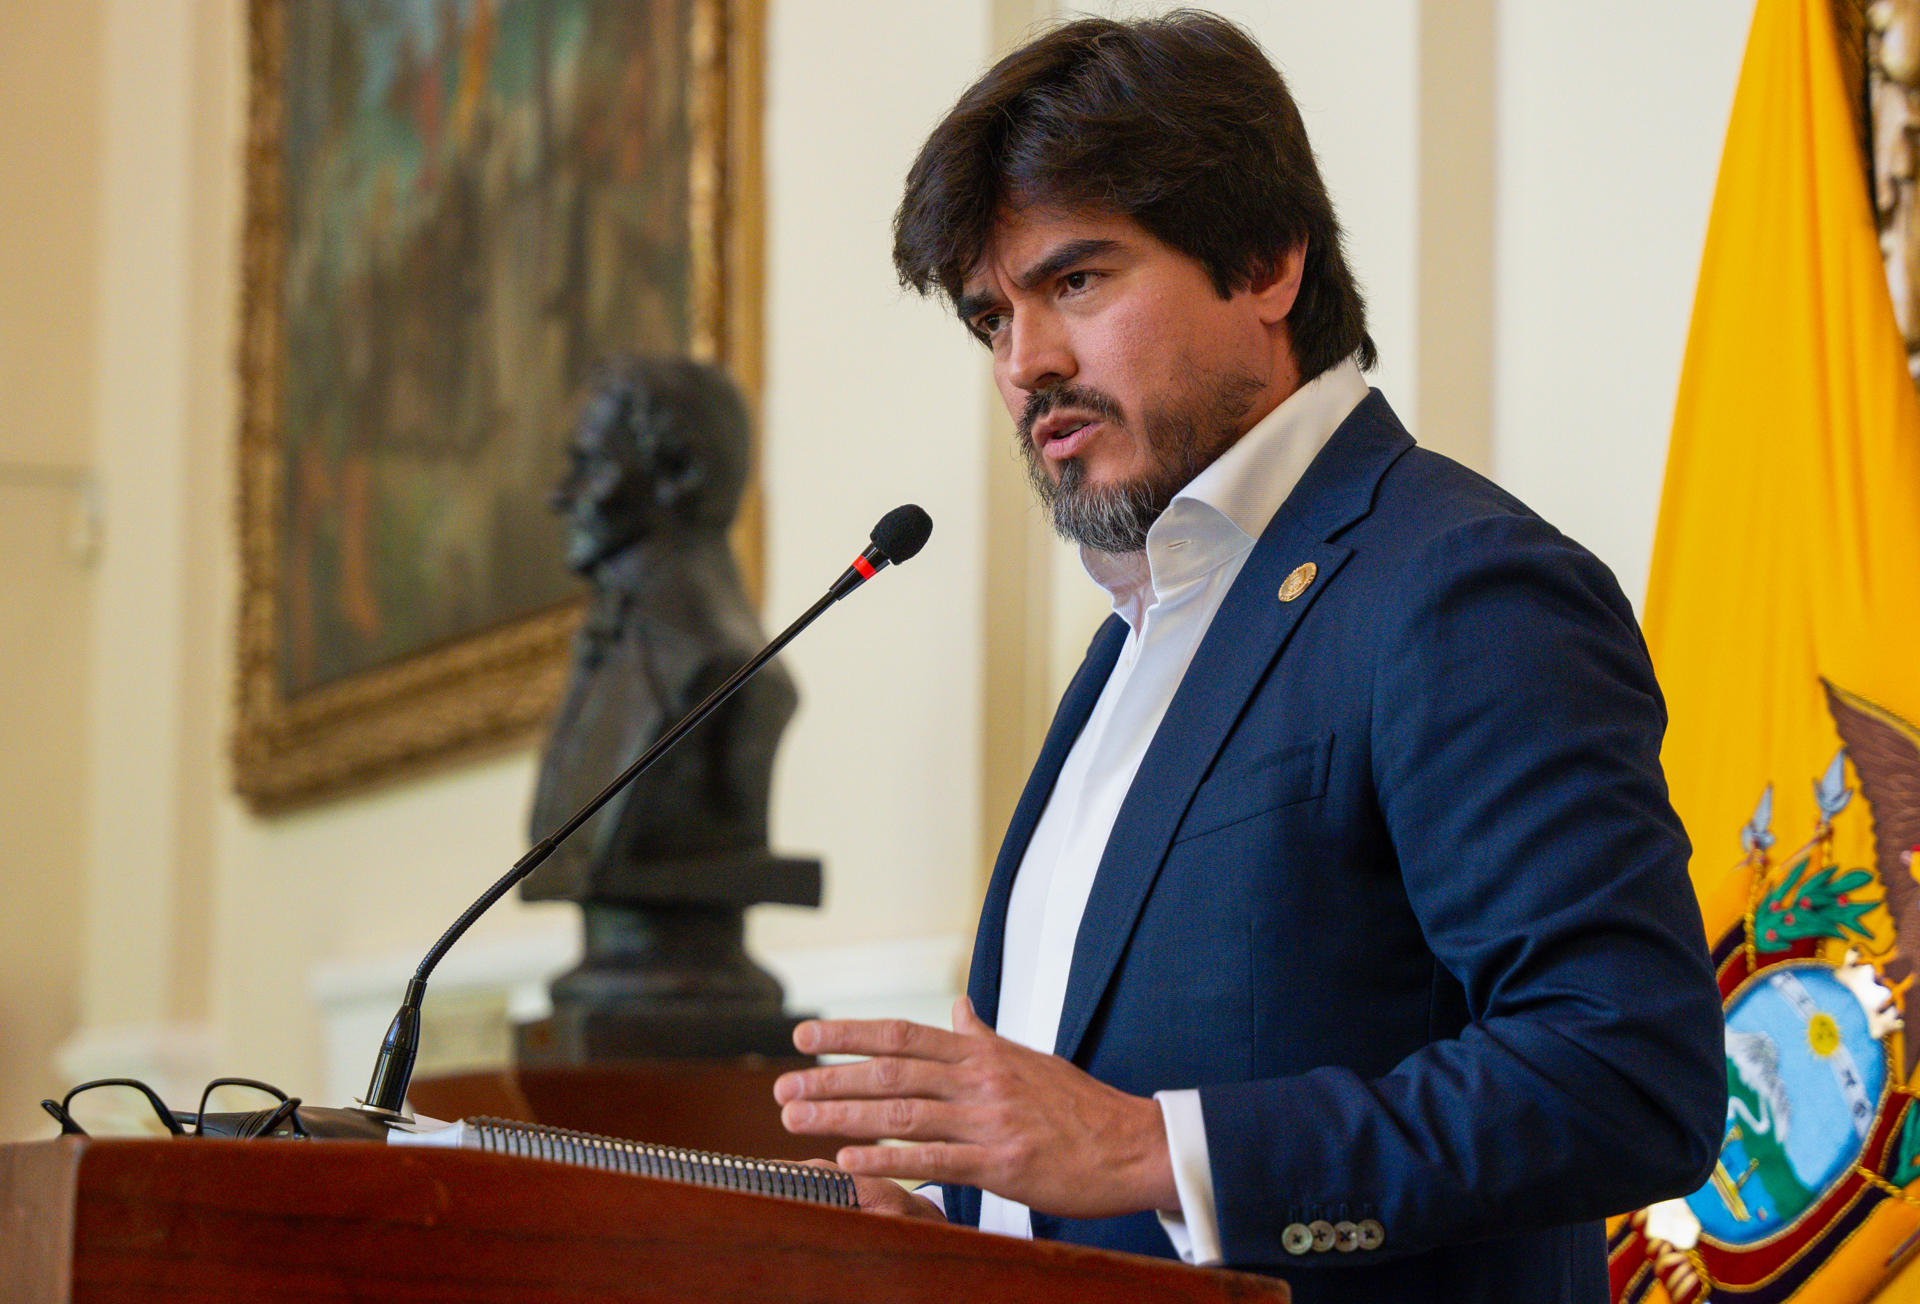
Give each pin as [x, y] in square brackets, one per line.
[1181, 440]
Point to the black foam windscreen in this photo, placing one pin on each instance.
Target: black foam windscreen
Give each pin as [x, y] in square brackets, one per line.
[902, 532]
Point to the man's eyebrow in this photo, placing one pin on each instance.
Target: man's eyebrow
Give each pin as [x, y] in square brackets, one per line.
[1073, 251]
[969, 306]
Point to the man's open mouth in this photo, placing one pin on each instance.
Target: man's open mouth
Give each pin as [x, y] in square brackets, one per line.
[1058, 440]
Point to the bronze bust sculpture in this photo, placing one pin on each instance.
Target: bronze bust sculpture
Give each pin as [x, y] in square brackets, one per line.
[664, 872]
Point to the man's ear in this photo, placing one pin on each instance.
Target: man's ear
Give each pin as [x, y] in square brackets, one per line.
[1275, 288]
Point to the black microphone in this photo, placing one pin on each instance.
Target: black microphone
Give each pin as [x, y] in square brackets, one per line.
[900, 534]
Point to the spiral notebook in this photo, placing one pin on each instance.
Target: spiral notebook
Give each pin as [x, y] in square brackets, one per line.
[775, 1177]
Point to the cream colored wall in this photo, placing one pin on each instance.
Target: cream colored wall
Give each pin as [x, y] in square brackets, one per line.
[50, 153]
[1611, 120]
[205, 928]
[873, 399]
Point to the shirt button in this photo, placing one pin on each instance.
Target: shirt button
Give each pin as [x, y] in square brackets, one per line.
[1372, 1234]
[1346, 1237]
[1296, 1239]
[1322, 1235]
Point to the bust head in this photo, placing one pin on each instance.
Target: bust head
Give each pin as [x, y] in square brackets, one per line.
[661, 447]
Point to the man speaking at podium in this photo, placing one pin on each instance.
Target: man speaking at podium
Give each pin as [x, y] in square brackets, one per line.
[1343, 930]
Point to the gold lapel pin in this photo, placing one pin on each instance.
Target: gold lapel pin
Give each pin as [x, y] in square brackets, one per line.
[1297, 580]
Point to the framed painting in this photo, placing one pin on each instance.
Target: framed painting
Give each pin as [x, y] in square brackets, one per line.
[457, 212]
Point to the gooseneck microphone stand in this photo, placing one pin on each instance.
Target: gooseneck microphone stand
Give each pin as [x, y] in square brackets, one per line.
[900, 534]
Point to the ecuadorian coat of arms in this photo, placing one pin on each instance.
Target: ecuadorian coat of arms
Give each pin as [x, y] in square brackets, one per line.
[1815, 977]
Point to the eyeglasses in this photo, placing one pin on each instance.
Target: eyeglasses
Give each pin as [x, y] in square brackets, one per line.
[240, 1108]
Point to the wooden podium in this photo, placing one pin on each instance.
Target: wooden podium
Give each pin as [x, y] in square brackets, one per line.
[133, 1221]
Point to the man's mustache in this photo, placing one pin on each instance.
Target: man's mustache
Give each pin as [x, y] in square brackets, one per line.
[1068, 395]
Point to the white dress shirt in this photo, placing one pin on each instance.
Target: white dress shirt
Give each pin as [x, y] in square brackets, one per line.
[1168, 595]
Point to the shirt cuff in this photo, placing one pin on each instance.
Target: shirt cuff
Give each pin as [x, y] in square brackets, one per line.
[934, 1193]
[1195, 1230]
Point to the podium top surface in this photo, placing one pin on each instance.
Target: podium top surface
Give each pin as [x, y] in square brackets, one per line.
[308, 1221]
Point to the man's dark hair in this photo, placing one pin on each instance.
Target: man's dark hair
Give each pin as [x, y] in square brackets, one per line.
[1179, 123]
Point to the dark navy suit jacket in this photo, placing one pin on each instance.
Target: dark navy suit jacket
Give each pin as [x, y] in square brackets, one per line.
[1398, 887]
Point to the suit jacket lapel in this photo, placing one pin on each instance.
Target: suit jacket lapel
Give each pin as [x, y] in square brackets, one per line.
[1247, 634]
[983, 978]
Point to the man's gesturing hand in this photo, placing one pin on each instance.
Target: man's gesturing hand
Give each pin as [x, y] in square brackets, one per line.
[979, 1110]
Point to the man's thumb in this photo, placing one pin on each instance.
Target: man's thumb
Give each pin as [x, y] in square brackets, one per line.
[965, 1020]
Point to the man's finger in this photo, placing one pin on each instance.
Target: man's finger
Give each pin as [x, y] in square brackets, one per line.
[883, 1196]
[877, 1037]
[907, 1119]
[966, 1019]
[937, 1161]
[872, 1079]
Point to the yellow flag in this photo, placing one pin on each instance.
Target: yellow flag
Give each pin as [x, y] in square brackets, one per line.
[1789, 541]
[1787, 561]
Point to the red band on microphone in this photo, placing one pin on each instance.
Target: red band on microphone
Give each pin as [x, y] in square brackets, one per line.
[865, 567]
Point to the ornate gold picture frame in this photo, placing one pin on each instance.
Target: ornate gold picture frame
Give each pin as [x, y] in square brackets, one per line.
[456, 211]
[1880, 48]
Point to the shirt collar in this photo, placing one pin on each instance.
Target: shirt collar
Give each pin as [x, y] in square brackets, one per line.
[1225, 508]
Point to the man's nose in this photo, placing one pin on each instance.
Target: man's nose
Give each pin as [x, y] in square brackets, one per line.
[1038, 353]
